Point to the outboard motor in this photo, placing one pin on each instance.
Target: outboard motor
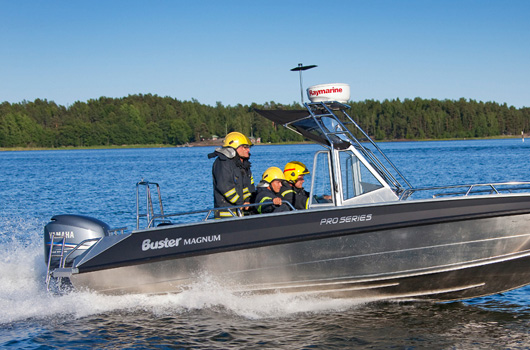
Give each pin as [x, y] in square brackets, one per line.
[74, 229]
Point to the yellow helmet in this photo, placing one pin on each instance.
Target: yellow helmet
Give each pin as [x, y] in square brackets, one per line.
[293, 170]
[272, 173]
[236, 139]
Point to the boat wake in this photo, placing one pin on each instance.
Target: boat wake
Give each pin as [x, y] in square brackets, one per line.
[23, 294]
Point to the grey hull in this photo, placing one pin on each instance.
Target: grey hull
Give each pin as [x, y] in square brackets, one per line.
[441, 261]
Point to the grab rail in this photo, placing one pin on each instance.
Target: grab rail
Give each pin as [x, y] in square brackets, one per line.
[76, 248]
[491, 188]
[62, 258]
[150, 211]
[235, 211]
[51, 255]
[151, 216]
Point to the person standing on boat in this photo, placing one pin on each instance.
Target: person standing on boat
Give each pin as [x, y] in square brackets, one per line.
[233, 183]
[269, 191]
[293, 191]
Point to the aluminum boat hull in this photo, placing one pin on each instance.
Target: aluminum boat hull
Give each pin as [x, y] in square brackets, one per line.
[439, 249]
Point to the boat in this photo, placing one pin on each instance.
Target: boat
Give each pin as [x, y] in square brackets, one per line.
[368, 233]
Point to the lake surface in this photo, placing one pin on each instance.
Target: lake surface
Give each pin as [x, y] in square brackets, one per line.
[101, 183]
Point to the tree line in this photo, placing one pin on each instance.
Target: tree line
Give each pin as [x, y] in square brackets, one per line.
[146, 119]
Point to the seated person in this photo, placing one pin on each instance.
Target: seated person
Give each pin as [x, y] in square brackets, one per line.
[269, 191]
[293, 190]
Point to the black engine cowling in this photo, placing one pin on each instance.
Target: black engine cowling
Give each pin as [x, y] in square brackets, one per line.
[74, 229]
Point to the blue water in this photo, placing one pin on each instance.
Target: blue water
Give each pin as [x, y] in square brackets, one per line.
[101, 183]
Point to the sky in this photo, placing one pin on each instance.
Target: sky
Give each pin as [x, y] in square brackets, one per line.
[240, 52]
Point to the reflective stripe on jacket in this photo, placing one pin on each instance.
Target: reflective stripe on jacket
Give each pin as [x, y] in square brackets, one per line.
[264, 194]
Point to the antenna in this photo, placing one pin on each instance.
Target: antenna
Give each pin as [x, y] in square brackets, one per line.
[300, 68]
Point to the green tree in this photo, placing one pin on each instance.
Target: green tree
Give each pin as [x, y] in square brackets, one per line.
[179, 132]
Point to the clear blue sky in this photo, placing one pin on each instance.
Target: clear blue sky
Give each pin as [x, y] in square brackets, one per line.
[242, 51]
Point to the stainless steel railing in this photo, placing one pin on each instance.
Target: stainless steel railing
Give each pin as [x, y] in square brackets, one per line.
[473, 189]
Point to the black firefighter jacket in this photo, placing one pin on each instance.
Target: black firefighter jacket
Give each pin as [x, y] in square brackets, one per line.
[233, 183]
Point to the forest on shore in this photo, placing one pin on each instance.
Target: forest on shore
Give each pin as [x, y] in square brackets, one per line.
[146, 119]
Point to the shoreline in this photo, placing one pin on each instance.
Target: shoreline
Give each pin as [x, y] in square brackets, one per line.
[218, 143]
